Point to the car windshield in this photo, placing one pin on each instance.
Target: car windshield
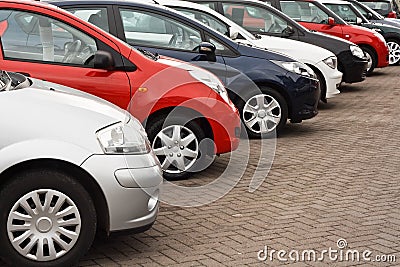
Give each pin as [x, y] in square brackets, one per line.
[256, 18]
[378, 5]
[344, 11]
[366, 9]
[305, 12]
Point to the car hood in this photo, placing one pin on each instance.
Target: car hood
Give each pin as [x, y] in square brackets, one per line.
[386, 28]
[67, 97]
[249, 50]
[295, 49]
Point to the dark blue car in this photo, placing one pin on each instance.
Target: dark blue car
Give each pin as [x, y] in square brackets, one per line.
[274, 87]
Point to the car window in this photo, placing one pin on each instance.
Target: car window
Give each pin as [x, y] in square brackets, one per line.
[221, 49]
[343, 11]
[206, 19]
[33, 37]
[149, 29]
[254, 18]
[97, 16]
[304, 11]
[377, 5]
[209, 5]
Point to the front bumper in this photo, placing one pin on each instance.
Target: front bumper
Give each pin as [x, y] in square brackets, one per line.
[130, 185]
[333, 77]
[383, 55]
[305, 99]
[354, 69]
[226, 127]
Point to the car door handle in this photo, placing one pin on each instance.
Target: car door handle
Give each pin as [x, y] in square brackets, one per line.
[24, 73]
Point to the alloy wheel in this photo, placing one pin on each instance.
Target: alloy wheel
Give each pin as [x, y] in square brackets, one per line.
[394, 55]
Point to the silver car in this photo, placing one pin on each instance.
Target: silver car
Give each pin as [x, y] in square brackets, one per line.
[71, 164]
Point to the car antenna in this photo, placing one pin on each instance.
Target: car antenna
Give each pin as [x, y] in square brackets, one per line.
[155, 2]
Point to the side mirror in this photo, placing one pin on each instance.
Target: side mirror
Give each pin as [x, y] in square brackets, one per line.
[369, 16]
[331, 21]
[233, 35]
[288, 31]
[208, 49]
[103, 60]
[358, 21]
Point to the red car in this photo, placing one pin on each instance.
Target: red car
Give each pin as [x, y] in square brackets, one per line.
[315, 16]
[185, 109]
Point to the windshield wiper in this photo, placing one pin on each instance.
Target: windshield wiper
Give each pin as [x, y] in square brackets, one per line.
[258, 36]
[148, 54]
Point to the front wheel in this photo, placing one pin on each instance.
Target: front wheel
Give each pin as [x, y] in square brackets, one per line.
[264, 113]
[394, 51]
[371, 58]
[180, 145]
[46, 219]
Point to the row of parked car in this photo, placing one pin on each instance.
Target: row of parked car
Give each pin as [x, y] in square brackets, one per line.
[193, 79]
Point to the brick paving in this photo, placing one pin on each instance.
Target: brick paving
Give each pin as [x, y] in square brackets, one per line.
[335, 176]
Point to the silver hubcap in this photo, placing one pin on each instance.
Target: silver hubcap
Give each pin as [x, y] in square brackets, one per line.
[369, 59]
[177, 148]
[394, 49]
[44, 225]
[262, 114]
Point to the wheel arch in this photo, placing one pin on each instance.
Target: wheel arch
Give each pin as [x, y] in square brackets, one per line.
[85, 179]
[201, 119]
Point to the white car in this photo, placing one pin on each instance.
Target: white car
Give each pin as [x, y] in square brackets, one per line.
[71, 164]
[322, 61]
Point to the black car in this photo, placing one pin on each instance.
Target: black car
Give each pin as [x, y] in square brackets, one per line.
[374, 16]
[351, 60]
[273, 88]
[387, 8]
[352, 15]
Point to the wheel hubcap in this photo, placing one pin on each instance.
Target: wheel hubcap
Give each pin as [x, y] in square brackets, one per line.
[44, 225]
[394, 50]
[177, 148]
[262, 114]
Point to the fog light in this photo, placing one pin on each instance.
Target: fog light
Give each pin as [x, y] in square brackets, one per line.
[153, 201]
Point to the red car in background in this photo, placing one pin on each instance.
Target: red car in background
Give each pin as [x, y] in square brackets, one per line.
[180, 104]
[315, 16]
[387, 8]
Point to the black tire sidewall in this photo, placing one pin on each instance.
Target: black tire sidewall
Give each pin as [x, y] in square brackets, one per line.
[44, 179]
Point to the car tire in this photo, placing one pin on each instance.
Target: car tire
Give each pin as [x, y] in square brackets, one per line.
[55, 193]
[248, 109]
[180, 159]
[371, 57]
[394, 51]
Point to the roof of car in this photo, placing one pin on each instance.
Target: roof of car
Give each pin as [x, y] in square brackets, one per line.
[144, 4]
[333, 1]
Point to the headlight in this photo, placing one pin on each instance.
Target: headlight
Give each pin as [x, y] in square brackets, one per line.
[211, 81]
[296, 67]
[122, 138]
[357, 51]
[331, 62]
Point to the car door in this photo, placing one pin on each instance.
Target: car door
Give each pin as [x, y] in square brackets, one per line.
[310, 16]
[164, 35]
[58, 52]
